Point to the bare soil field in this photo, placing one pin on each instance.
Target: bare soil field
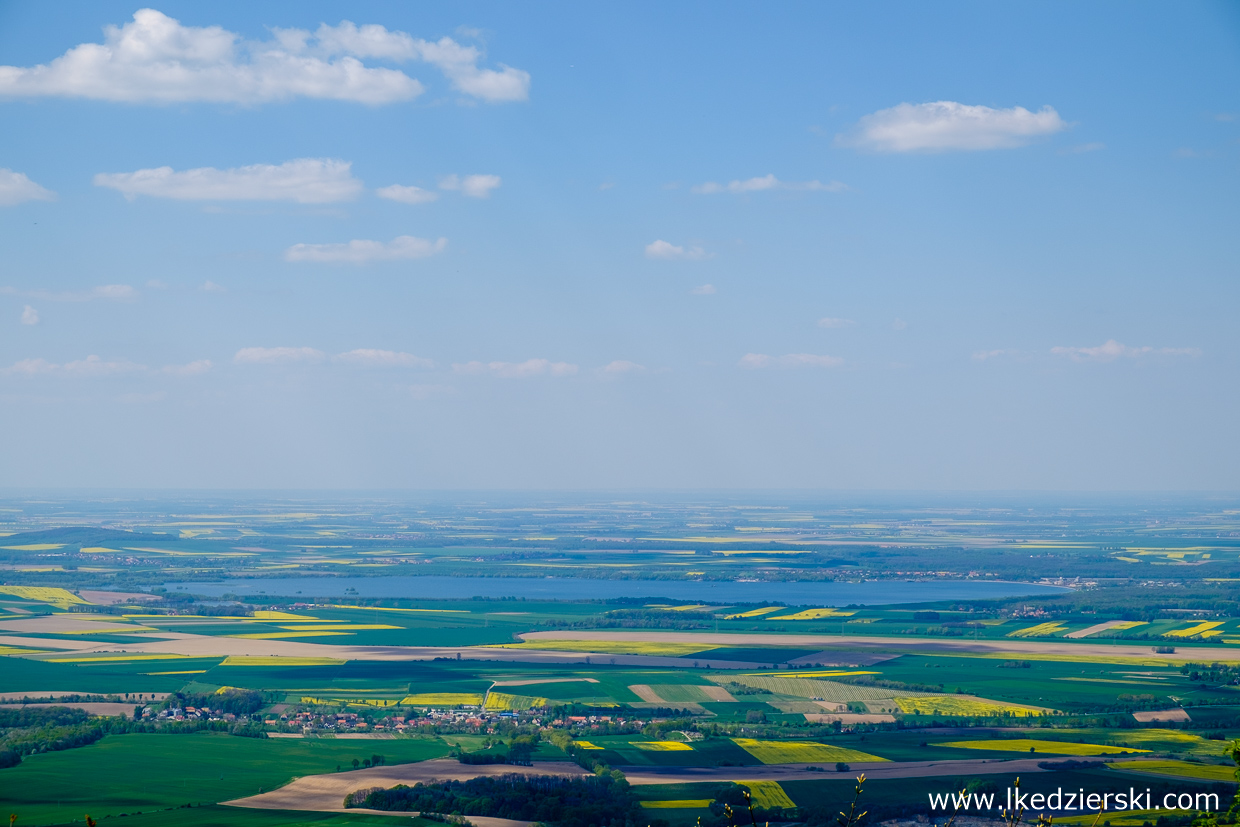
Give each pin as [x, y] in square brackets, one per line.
[325, 793]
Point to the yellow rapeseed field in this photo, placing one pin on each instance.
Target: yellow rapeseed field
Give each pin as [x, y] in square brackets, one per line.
[443, 699]
[662, 746]
[678, 804]
[1041, 630]
[800, 752]
[814, 614]
[1182, 769]
[755, 612]
[1200, 629]
[966, 705]
[768, 794]
[44, 594]
[587, 745]
[503, 702]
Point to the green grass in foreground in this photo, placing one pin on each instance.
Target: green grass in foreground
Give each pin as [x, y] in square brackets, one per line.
[218, 816]
[141, 773]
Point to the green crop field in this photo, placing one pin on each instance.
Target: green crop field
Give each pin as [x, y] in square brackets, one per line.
[130, 773]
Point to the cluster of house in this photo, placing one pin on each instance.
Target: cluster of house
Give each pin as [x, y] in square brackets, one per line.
[189, 713]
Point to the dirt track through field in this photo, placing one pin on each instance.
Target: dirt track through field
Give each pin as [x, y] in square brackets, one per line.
[325, 793]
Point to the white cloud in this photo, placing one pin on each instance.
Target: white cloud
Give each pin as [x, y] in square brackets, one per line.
[898, 324]
[983, 355]
[475, 186]
[30, 316]
[104, 291]
[703, 290]
[1111, 350]
[155, 59]
[15, 188]
[209, 286]
[667, 251]
[834, 323]
[754, 361]
[194, 368]
[406, 195]
[371, 357]
[517, 370]
[948, 125]
[767, 182]
[276, 355]
[303, 180]
[460, 65]
[156, 284]
[89, 367]
[620, 366]
[360, 251]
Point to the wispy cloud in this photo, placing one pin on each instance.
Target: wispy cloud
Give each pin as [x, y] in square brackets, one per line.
[517, 370]
[622, 366]
[1111, 350]
[119, 292]
[304, 180]
[667, 251]
[755, 361]
[30, 316]
[834, 323]
[276, 355]
[767, 182]
[947, 125]
[704, 290]
[195, 368]
[155, 59]
[91, 366]
[370, 357]
[15, 188]
[474, 186]
[406, 195]
[360, 251]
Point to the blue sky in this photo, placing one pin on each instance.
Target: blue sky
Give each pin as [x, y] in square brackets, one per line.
[879, 246]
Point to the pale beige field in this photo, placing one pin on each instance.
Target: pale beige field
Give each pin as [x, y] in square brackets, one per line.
[325, 793]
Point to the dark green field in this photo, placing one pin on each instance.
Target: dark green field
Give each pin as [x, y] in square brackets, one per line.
[140, 773]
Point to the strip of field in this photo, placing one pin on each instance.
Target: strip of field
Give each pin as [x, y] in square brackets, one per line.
[1038, 745]
[325, 793]
[1051, 649]
[1116, 625]
[618, 647]
[768, 794]
[443, 699]
[801, 752]
[809, 688]
[966, 705]
[663, 746]
[641, 776]
[679, 804]
[1180, 769]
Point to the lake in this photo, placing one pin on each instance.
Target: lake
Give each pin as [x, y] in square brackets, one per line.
[866, 593]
